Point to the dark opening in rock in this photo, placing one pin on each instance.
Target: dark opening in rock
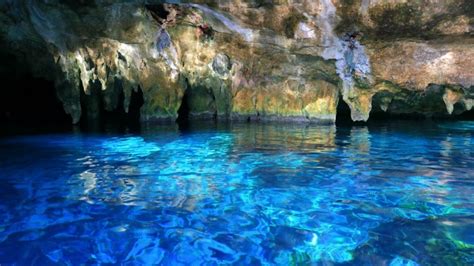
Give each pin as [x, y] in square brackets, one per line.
[29, 99]
[118, 112]
[467, 115]
[343, 115]
[207, 32]
[91, 103]
[136, 103]
[379, 115]
[184, 110]
[96, 117]
[158, 11]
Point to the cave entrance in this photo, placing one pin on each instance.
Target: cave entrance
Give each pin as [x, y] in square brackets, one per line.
[467, 115]
[343, 113]
[184, 110]
[158, 12]
[96, 118]
[136, 103]
[92, 104]
[28, 99]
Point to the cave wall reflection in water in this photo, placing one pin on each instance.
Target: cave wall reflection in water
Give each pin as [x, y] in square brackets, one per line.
[248, 193]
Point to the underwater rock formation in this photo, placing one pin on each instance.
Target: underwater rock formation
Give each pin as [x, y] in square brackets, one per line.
[233, 59]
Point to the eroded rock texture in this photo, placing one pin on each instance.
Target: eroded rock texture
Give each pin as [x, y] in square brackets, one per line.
[274, 60]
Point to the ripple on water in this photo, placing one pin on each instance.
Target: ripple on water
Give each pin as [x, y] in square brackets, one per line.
[250, 194]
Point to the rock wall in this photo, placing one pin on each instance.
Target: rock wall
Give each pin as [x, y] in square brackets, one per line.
[236, 59]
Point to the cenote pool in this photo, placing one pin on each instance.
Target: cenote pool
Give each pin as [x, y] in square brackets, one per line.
[398, 193]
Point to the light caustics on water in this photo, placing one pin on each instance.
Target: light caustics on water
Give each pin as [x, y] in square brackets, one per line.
[261, 194]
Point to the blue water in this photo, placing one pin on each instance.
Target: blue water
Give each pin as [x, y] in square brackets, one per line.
[251, 194]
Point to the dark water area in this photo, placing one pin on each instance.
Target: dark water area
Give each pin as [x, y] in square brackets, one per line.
[385, 193]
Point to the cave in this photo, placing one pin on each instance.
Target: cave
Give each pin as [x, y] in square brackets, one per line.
[184, 111]
[343, 113]
[96, 117]
[29, 100]
[136, 103]
[158, 12]
[92, 107]
[215, 132]
[425, 107]
[377, 114]
[466, 115]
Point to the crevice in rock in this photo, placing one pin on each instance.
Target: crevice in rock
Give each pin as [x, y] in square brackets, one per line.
[91, 103]
[184, 110]
[136, 102]
[158, 12]
[343, 113]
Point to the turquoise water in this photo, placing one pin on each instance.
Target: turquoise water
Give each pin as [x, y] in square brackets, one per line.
[249, 194]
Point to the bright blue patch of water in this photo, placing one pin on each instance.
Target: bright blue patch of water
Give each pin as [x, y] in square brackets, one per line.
[393, 194]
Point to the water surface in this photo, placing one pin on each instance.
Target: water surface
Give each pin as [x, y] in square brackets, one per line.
[261, 194]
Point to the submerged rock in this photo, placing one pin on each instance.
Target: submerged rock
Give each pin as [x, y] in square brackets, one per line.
[249, 59]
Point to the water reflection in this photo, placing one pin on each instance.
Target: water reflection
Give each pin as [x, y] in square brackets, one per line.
[298, 138]
[246, 193]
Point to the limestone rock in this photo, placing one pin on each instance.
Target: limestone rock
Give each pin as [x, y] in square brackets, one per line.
[232, 59]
